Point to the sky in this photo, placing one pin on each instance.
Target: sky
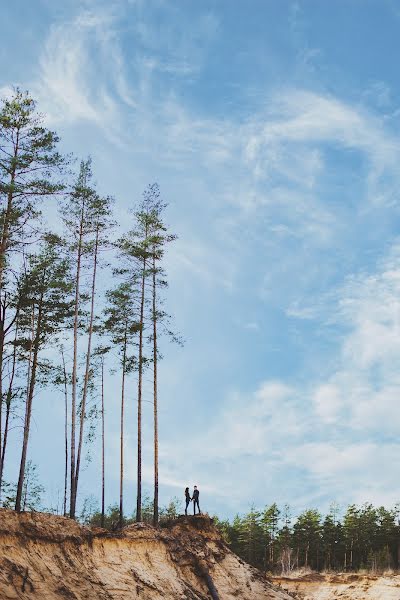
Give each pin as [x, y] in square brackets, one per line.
[273, 130]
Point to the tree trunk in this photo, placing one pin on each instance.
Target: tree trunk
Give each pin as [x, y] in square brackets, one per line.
[8, 410]
[28, 412]
[139, 415]
[87, 366]
[2, 339]
[102, 447]
[121, 479]
[75, 368]
[65, 434]
[155, 398]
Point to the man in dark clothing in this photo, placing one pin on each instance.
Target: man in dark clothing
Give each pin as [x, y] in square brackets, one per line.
[195, 499]
[187, 498]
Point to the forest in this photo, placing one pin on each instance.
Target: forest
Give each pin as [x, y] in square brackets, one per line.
[364, 537]
[59, 328]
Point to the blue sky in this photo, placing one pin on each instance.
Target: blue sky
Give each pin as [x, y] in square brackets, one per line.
[273, 131]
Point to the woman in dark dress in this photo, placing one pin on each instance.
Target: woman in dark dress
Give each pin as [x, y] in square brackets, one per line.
[188, 499]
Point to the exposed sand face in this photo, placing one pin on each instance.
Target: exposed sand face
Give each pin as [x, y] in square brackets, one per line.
[47, 557]
[346, 586]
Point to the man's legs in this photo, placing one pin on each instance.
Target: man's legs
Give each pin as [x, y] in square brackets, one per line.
[194, 506]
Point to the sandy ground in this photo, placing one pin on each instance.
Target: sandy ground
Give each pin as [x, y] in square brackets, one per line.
[49, 558]
[343, 586]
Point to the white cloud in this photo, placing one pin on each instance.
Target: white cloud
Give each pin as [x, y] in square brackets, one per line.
[353, 472]
[337, 433]
[328, 402]
[64, 85]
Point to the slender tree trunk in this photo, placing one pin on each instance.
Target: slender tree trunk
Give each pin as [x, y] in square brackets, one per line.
[25, 489]
[2, 340]
[8, 409]
[87, 366]
[155, 398]
[65, 434]
[5, 236]
[139, 415]
[75, 367]
[121, 480]
[102, 447]
[28, 412]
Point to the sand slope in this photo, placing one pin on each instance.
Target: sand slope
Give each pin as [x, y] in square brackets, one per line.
[48, 557]
[343, 586]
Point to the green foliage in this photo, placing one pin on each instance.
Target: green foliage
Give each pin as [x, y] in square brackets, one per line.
[365, 538]
[44, 289]
[120, 322]
[29, 167]
[92, 516]
[32, 492]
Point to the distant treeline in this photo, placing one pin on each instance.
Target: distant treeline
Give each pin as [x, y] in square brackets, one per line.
[365, 537]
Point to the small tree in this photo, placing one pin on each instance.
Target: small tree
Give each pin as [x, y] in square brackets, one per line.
[270, 522]
[307, 537]
[251, 537]
[285, 542]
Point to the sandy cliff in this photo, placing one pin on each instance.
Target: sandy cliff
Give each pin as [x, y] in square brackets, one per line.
[48, 557]
[346, 586]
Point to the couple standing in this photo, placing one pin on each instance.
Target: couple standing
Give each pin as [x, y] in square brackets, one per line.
[195, 499]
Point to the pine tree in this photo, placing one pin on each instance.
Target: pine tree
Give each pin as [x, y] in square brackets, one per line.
[87, 217]
[135, 250]
[285, 541]
[30, 170]
[44, 308]
[251, 537]
[307, 537]
[101, 218]
[29, 166]
[122, 326]
[159, 238]
[270, 521]
[350, 530]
